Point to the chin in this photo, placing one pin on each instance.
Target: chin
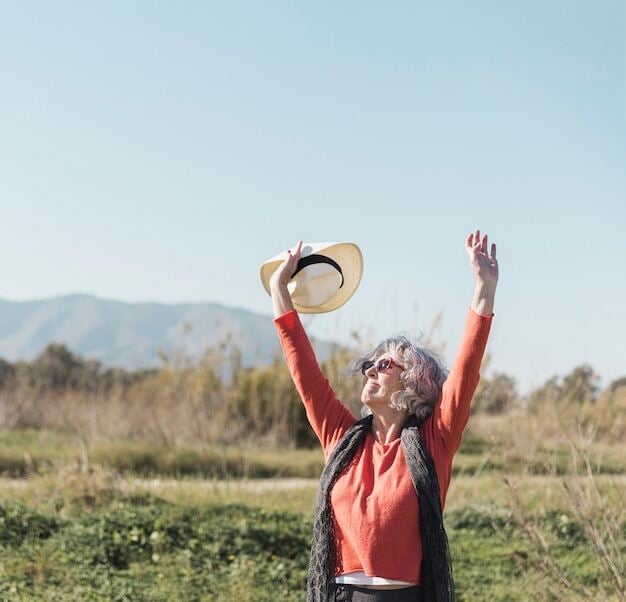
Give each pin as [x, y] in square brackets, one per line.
[374, 403]
[368, 399]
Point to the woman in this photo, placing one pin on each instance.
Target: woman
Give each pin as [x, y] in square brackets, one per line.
[378, 532]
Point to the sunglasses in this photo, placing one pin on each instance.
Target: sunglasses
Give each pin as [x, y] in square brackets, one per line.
[380, 366]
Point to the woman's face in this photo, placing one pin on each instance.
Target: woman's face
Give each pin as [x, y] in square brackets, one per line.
[381, 381]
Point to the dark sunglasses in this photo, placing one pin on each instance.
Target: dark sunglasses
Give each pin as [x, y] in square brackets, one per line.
[380, 366]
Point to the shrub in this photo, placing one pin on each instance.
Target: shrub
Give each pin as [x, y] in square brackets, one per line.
[19, 524]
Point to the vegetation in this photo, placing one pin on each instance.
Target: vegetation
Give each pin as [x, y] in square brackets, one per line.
[197, 482]
[218, 402]
[95, 539]
[145, 549]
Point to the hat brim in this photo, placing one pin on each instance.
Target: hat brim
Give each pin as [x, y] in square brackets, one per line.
[346, 254]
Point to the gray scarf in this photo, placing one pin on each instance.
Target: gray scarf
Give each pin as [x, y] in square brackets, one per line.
[437, 583]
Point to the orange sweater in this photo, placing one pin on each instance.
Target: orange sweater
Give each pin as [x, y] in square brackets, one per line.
[374, 503]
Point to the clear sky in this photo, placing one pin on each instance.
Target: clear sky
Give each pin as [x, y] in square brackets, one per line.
[161, 151]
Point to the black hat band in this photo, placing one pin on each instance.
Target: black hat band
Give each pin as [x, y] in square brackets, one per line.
[303, 262]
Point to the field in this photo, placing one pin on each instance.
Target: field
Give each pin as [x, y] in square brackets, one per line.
[180, 485]
[72, 528]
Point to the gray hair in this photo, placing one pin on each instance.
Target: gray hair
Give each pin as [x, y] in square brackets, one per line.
[423, 376]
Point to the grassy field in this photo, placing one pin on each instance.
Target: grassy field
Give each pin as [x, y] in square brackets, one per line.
[28, 451]
[132, 521]
[194, 481]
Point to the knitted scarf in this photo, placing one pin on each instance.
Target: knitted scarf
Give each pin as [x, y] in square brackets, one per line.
[437, 583]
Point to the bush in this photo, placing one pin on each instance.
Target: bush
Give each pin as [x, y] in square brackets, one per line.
[98, 552]
[495, 395]
[19, 524]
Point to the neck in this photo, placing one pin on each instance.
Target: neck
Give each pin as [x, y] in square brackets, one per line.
[388, 423]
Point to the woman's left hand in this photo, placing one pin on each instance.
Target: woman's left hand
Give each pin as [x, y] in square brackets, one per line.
[484, 264]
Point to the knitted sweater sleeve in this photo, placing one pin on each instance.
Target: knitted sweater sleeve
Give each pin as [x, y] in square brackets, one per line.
[327, 415]
[452, 412]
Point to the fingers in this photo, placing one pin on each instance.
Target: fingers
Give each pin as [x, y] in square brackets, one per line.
[284, 272]
[477, 246]
[298, 250]
[291, 263]
[293, 255]
[473, 243]
[476, 243]
[472, 239]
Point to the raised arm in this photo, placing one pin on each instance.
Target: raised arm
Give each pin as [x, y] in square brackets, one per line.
[327, 415]
[452, 411]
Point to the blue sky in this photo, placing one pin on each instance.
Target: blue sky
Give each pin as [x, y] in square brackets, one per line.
[153, 151]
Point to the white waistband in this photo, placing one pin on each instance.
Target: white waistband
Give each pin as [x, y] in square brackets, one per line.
[360, 578]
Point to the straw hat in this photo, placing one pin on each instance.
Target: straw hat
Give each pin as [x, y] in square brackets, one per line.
[327, 275]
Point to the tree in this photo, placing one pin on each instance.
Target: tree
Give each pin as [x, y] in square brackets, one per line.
[549, 392]
[580, 385]
[618, 383]
[495, 395]
[55, 368]
[7, 373]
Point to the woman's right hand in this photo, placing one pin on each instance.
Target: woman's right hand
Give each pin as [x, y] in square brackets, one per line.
[281, 299]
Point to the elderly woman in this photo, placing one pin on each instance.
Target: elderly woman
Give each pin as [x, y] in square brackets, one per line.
[378, 531]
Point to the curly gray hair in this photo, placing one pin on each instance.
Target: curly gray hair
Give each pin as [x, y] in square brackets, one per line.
[423, 376]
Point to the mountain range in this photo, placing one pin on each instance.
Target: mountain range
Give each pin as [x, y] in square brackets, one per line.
[132, 335]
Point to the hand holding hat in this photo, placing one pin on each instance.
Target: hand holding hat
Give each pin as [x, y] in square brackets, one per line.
[319, 277]
[285, 271]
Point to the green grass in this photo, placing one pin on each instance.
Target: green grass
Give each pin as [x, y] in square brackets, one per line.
[137, 549]
[141, 547]
[28, 451]
[135, 521]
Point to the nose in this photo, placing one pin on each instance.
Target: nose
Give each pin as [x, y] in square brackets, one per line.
[371, 371]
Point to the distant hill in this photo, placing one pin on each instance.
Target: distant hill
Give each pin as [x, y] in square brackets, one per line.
[129, 335]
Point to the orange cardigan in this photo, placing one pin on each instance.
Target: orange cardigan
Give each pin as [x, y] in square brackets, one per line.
[374, 503]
